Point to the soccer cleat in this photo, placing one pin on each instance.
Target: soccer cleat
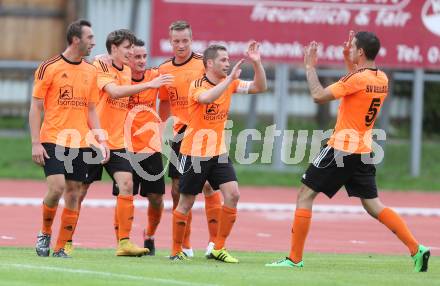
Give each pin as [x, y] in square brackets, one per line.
[223, 255]
[61, 254]
[286, 262]
[188, 252]
[178, 257]
[421, 259]
[149, 244]
[43, 244]
[68, 248]
[127, 248]
[209, 249]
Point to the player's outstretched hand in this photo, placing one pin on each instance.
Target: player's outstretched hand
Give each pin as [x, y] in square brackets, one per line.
[39, 153]
[311, 55]
[253, 52]
[348, 45]
[161, 80]
[236, 71]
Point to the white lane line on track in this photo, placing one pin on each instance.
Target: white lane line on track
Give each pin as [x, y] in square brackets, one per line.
[103, 274]
[339, 209]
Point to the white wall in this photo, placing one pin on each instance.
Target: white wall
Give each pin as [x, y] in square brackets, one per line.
[109, 15]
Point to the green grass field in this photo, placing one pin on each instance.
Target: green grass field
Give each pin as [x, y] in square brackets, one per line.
[20, 266]
[393, 174]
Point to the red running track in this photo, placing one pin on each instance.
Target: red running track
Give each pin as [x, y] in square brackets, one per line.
[254, 230]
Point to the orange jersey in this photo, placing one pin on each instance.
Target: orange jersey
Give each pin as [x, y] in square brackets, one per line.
[112, 112]
[362, 94]
[143, 115]
[177, 93]
[67, 88]
[204, 136]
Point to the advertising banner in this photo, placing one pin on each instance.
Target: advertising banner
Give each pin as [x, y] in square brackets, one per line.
[409, 30]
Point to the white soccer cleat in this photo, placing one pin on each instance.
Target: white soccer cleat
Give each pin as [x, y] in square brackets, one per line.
[209, 249]
[188, 252]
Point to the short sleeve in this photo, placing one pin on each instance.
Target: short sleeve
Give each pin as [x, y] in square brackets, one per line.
[42, 81]
[348, 85]
[104, 76]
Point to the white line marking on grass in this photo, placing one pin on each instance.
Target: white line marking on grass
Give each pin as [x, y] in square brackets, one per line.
[357, 241]
[104, 274]
[262, 234]
[338, 209]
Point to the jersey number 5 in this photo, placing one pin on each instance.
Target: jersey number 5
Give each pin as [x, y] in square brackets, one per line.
[372, 111]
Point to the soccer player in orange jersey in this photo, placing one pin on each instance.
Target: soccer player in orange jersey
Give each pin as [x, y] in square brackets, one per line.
[65, 89]
[204, 159]
[346, 158]
[114, 83]
[186, 66]
[142, 139]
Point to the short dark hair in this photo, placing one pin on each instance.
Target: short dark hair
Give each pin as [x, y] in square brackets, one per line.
[369, 42]
[139, 43]
[212, 52]
[75, 29]
[117, 37]
[180, 26]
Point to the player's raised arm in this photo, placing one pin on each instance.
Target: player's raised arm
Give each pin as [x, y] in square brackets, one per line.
[319, 94]
[259, 84]
[118, 91]
[212, 94]
[348, 60]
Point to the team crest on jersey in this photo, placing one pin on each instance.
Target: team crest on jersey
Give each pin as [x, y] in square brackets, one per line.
[66, 92]
[212, 109]
[172, 93]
